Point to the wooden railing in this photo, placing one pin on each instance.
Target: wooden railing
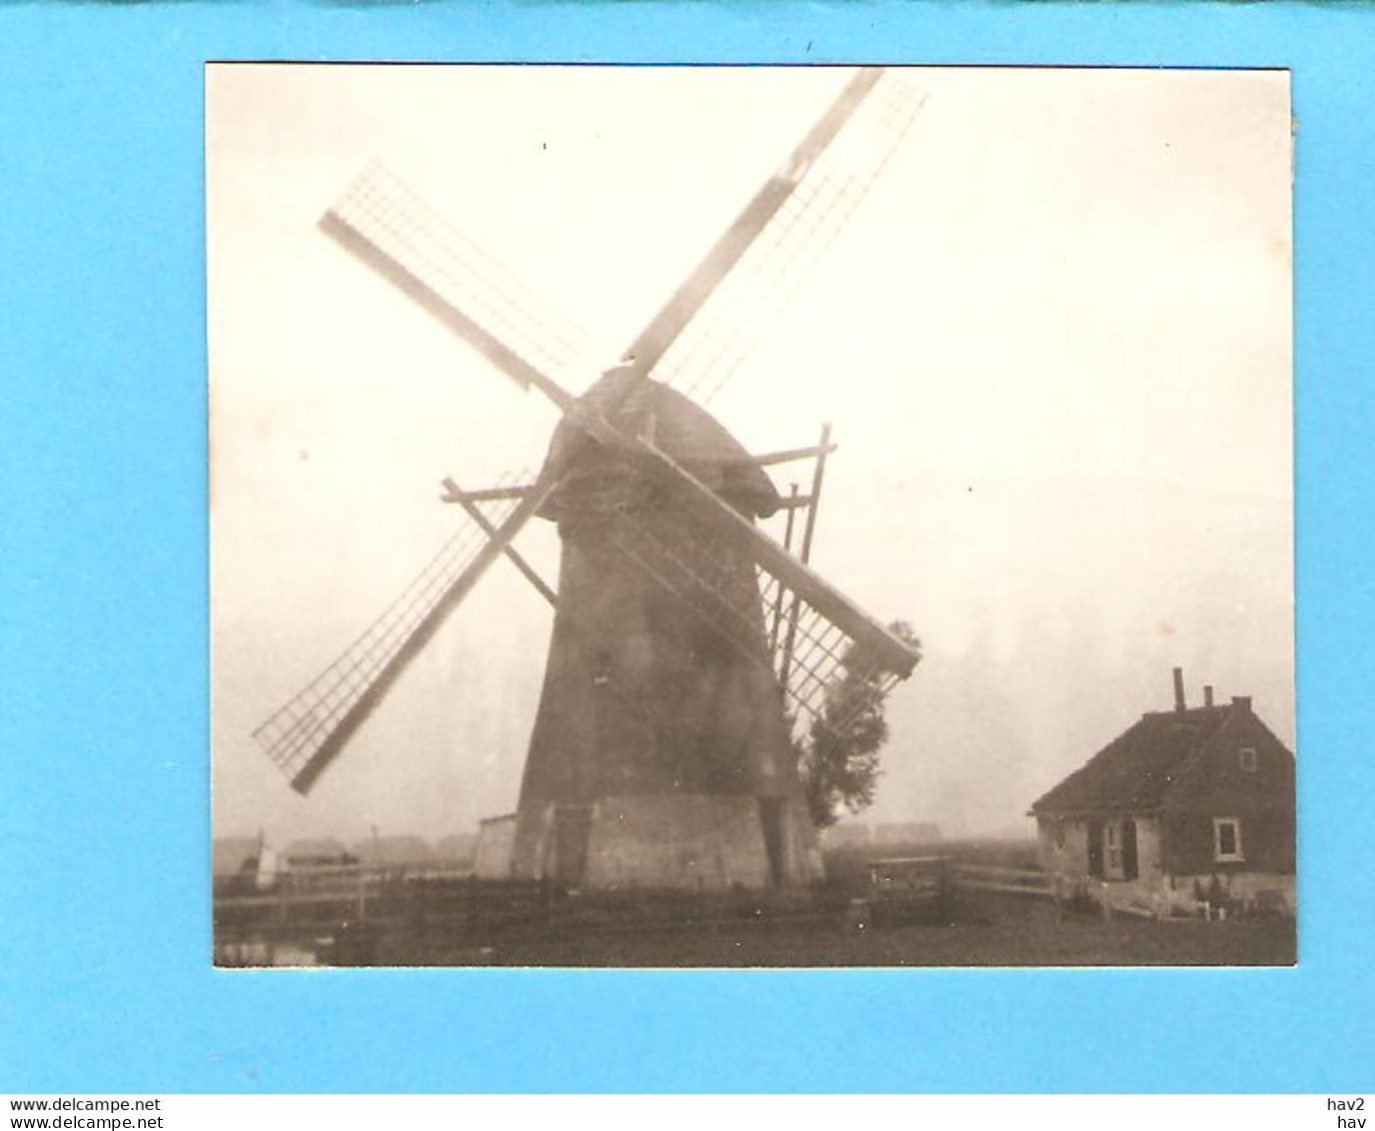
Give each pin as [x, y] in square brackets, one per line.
[313, 903]
[907, 877]
[1008, 881]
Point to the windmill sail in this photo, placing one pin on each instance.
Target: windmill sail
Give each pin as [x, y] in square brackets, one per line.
[382, 221]
[683, 305]
[830, 644]
[823, 194]
[307, 733]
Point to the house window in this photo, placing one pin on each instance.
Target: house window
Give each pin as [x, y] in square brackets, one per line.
[1059, 834]
[1114, 850]
[1248, 759]
[1227, 839]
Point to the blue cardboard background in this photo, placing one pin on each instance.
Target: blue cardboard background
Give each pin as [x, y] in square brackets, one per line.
[105, 983]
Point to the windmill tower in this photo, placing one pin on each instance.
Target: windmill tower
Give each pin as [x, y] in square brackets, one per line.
[688, 646]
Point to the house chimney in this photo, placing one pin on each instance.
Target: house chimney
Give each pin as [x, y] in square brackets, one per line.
[1207, 694]
[1179, 689]
[1241, 704]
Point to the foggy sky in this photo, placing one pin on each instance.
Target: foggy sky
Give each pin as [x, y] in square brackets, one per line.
[1054, 345]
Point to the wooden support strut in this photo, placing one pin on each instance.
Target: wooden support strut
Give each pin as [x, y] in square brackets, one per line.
[809, 529]
[793, 501]
[485, 495]
[452, 493]
[789, 455]
[818, 476]
[468, 501]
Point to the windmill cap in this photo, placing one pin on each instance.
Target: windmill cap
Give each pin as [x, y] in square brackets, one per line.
[677, 426]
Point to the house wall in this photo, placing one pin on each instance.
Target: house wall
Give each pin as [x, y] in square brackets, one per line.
[1148, 849]
[1213, 785]
[1071, 862]
[1155, 888]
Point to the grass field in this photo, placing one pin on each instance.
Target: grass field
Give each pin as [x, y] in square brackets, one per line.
[457, 924]
[977, 931]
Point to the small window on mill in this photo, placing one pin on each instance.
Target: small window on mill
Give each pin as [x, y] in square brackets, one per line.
[1248, 759]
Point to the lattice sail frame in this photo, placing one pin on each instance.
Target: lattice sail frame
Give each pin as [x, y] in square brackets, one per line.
[808, 653]
[830, 658]
[304, 735]
[716, 343]
[381, 219]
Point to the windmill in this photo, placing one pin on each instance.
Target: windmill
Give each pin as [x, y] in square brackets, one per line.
[688, 646]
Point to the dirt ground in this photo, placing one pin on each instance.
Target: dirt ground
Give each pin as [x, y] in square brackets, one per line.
[977, 931]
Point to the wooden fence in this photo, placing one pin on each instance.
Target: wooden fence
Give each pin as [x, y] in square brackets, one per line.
[326, 905]
[321, 896]
[1007, 881]
[1036, 884]
[909, 877]
[327, 910]
[325, 898]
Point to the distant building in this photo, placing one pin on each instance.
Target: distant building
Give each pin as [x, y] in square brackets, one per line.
[229, 854]
[850, 834]
[907, 832]
[496, 839]
[318, 853]
[242, 865]
[1185, 804]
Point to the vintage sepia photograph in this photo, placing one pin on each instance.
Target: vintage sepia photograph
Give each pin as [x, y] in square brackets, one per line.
[750, 516]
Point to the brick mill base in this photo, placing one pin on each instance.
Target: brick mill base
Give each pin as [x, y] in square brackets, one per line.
[691, 842]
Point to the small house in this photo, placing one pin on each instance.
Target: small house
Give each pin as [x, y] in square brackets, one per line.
[1192, 804]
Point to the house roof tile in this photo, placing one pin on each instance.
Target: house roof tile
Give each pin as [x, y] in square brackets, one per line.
[1137, 768]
